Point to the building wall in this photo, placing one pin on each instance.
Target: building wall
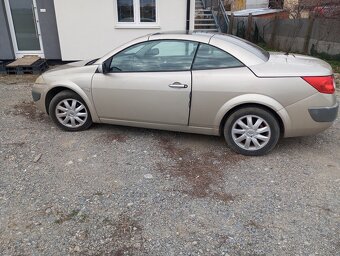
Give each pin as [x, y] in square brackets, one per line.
[49, 32]
[48, 28]
[6, 46]
[87, 28]
[238, 5]
[253, 4]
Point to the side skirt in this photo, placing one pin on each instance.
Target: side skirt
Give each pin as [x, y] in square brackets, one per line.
[167, 127]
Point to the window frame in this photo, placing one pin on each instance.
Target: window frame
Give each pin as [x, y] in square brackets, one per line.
[200, 69]
[137, 16]
[109, 60]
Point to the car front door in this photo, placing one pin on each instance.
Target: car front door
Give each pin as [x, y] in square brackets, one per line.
[149, 82]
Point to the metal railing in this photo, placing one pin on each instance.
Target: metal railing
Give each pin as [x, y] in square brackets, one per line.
[219, 14]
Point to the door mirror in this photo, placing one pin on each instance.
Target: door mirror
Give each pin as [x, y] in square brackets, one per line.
[104, 68]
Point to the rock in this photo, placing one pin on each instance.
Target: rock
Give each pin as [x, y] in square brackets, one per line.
[137, 245]
[69, 163]
[129, 204]
[76, 248]
[194, 243]
[37, 158]
[148, 176]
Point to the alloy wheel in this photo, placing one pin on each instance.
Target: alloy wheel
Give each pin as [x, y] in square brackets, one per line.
[71, 113]
[251, 132]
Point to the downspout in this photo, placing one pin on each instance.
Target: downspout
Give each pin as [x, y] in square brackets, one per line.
[188, 16]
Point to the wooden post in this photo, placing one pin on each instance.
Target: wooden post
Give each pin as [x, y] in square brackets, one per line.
[250, 27]
[274, 31]
[308, 35]
[231, 24]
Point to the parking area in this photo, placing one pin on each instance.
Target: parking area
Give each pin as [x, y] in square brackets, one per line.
[116, 190]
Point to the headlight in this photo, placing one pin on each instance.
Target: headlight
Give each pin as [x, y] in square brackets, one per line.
[40, 80]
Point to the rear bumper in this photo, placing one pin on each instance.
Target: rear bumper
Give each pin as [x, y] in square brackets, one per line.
[324, 114]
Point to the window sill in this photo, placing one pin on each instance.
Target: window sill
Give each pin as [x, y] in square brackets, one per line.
[137, 26]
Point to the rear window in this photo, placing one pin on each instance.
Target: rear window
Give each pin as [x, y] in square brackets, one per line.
[250, 47]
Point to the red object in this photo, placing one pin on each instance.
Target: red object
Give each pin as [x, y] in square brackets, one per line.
[324, 84]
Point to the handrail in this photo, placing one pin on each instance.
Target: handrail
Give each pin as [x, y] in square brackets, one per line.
[219, 14]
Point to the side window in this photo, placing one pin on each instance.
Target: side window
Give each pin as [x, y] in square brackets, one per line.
[210, 57]
[153, 56]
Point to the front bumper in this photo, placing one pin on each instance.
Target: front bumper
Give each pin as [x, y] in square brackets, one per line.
[38, 95]
[324, 114]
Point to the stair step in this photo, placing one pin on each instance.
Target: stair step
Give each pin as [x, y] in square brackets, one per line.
[207, 30]
[202, 10]
[211, 20]
[205, 25]
[204, 14]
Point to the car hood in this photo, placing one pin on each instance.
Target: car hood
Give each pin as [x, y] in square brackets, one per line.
[69, 70]
[68, 66]
[283, 65]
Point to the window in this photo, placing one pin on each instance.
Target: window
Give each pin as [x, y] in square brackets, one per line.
[210, 57]
[136, 12]
[153, 56]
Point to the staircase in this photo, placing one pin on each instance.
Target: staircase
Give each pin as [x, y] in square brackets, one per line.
[204, 19]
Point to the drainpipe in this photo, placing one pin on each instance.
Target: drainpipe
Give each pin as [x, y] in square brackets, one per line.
[188, 15]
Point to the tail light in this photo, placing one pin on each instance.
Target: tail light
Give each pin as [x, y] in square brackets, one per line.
[324, 84]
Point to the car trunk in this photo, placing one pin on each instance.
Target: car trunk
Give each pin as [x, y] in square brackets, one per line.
[291, 65]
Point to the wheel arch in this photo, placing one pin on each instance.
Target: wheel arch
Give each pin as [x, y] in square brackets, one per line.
[59, 88]
[260, 101]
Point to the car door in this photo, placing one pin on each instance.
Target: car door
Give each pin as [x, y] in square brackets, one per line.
[148, 82]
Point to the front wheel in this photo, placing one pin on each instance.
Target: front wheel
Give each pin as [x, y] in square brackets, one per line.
[252, 131]
[69, 112]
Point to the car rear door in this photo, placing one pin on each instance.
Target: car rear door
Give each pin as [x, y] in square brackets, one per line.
[148, 82]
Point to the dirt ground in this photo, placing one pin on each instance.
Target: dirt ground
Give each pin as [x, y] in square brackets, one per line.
[116, 190]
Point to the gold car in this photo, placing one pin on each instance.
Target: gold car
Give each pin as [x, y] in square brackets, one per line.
[199, 83]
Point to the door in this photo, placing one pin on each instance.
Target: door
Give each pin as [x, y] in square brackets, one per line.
[149, 82]
[24, 26]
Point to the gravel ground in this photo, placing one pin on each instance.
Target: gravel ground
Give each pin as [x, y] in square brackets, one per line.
[115, 190]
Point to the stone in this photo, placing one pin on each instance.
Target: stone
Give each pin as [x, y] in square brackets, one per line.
[148, 176]
[37, 158]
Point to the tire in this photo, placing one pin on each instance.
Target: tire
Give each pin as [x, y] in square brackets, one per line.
[69, 112]
[252, 131]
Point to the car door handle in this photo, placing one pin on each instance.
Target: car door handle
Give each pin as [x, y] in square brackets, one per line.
[178, 85]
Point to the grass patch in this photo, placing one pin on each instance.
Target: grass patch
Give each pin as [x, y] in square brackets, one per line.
[335, 65]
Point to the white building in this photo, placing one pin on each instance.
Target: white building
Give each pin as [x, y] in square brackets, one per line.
[254, 4]
[90, 28]
[82, 29]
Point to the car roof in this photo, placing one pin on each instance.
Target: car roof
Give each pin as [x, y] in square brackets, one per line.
[228, 43]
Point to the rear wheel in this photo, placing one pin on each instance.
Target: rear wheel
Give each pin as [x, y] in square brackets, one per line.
[252, 131]
[69, 111]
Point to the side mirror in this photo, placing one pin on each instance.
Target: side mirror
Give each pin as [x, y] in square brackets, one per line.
[104, 68]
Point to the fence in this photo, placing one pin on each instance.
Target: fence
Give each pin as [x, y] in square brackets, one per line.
[309, 36]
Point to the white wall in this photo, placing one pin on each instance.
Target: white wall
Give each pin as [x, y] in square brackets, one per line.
[87, 28]
[253, 4]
